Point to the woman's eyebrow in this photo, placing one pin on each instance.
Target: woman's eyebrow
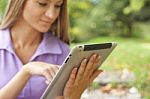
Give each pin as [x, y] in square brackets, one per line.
[60, 1]
[57, 1]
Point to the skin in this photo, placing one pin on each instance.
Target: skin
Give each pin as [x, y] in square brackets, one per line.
[36, 22]
[81, 79]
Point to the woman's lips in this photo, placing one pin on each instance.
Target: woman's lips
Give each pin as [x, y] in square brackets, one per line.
[46, 22]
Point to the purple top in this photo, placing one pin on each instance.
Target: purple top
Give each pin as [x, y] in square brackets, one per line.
[51, 50]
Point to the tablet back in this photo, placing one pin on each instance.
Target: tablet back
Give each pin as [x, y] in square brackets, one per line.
[74, 59]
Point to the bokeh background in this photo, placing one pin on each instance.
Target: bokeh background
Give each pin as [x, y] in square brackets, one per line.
[126, 22]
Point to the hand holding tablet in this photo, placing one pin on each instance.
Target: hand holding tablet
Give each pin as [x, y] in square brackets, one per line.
[80, 79]
[74, 60]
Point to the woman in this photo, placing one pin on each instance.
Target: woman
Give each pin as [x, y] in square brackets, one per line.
[33, 43]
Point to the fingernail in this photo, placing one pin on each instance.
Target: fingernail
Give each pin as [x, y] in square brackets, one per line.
[47, 82]
[99, 57]
[85, 60]
[75, 69]
[94, 56]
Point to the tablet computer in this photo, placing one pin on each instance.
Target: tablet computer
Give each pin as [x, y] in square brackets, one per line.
[74, 58]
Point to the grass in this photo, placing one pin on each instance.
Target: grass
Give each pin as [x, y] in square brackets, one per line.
[130, 53]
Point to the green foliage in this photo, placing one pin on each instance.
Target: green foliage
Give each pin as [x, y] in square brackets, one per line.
[2, 7]
[134, 6]
[78, 8]
[107, 18]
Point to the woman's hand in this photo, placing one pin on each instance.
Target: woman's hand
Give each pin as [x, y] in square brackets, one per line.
[23, 76]
[80, 79]
[42, 69]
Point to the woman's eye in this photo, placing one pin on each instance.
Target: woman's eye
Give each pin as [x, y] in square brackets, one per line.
[42, 4]
[58, 6]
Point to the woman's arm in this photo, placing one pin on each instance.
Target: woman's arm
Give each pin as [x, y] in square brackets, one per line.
[13, 88]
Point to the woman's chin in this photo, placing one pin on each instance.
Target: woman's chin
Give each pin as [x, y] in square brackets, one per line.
[43, 30]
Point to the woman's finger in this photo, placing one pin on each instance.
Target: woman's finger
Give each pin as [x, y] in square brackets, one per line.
[47, 75]
[51, 71]
[89, 65]
[94, 65]
[72, 77]
[47, 82]
[81, 70]
[95, 74]
[54, 70]
[59, 97]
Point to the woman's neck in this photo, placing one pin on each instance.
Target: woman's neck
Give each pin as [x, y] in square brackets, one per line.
[23, 35]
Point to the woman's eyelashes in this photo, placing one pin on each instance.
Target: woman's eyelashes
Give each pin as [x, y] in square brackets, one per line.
[58, 6]
[43, 4]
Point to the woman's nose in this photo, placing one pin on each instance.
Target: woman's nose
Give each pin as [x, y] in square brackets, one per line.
[50, 13]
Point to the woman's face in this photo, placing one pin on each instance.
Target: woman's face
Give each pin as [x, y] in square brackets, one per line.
[40, 14]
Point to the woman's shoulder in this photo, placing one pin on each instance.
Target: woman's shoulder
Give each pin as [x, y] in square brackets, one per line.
[4, 33]
[3, 38]
[64, 46]
[3, 30]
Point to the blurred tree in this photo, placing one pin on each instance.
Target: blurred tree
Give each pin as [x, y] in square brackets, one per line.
[107, 17]
[2, 7]
[78, 9]
[143, 14]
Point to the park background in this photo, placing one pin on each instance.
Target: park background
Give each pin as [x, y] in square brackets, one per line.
[126, 22]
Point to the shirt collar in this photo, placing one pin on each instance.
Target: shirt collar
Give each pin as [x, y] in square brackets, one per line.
[6, 42]
[50, 44]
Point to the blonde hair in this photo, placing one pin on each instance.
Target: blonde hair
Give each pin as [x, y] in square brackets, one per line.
[59, 27]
